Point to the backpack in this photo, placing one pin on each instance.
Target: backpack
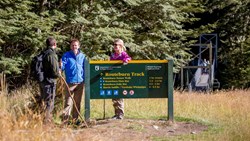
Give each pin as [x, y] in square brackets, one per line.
[36, 69]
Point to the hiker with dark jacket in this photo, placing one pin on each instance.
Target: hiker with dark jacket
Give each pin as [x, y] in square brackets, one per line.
[51, 73]
[73, 66]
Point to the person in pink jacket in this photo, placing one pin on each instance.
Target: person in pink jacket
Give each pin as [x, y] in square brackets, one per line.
[119, 54]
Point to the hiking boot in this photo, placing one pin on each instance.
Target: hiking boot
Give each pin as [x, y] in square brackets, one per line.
[66, 122]
[119, 117]
[77, 122]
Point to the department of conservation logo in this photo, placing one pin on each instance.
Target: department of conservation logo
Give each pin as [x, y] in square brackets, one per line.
[97, 68]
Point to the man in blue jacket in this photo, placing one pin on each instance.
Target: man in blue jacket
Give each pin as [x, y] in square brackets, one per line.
[73, 66]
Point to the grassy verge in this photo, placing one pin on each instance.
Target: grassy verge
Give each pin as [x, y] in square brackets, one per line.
[227, 114]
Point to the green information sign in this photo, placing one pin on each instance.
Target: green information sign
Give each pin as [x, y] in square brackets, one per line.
[137, 79]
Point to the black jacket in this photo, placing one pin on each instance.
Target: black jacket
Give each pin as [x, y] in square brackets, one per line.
[50, 65]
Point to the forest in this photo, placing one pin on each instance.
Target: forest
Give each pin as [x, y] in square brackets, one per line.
[151, 29]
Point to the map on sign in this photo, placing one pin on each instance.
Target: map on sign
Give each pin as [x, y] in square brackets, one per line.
[137, 79]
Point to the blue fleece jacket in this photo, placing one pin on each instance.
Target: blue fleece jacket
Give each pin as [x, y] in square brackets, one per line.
[73, 65]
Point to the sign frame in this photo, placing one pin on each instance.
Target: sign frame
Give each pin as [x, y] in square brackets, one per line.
[169, 82]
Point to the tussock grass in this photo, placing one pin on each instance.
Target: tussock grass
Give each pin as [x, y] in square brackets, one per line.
[227, 111]
[19, 123]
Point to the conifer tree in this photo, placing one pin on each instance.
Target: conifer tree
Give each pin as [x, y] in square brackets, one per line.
[22, 34]
[151, 29]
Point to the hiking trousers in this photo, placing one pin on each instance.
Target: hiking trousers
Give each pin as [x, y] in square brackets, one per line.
[77, 91]
[48, 92]
[118, 106]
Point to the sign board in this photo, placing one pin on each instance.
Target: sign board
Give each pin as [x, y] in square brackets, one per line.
[137, 79]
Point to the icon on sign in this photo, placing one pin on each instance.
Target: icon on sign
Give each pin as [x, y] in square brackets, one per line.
[102, 92]
[125, 92]
[115, 92]
[109, 92]
[97, 68]
[131, 92]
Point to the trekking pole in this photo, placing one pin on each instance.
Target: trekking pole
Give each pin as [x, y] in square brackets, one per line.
[74, 103]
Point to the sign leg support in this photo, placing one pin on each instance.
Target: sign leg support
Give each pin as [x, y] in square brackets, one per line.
[170, 92]
[87, 91]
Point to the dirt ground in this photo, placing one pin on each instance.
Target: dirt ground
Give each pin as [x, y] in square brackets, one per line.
[137, 130]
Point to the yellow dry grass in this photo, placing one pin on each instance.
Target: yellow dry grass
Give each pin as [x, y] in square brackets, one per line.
[227, 111]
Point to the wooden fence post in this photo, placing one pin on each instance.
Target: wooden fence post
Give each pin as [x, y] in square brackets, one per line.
[3, 86]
